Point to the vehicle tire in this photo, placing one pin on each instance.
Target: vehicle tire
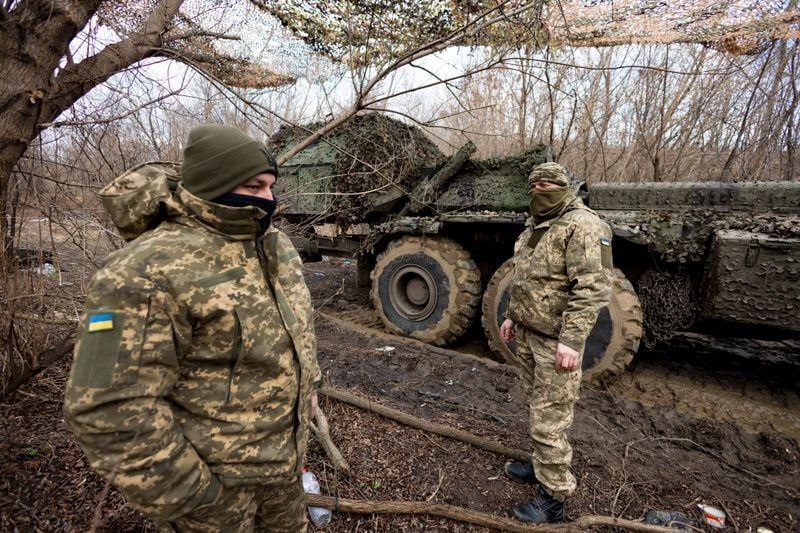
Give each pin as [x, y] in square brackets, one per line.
[612, 343]
[493, 307]
[614, 340]
[427, 288]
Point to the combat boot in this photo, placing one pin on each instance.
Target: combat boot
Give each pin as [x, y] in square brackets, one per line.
[544, 509]
[521, 472]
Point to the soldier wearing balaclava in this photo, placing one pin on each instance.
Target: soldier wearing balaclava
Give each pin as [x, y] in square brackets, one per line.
[560, 283]
[195, 367]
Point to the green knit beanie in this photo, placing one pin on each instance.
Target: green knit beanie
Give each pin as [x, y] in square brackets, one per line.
[217, 158]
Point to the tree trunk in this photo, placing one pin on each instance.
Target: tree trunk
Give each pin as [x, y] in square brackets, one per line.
[40, 81]
[36, 39]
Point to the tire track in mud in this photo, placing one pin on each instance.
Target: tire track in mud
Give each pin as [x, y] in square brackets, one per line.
[751, 401]
[749, 397]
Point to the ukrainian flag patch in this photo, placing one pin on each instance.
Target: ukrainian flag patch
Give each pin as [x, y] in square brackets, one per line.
[604, 241]
[101, 322]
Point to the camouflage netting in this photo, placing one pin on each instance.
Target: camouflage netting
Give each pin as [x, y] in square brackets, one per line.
[669, 305]
[371, 155]
[376, 28]
[193, 40]
[685, 237]
[735, 26]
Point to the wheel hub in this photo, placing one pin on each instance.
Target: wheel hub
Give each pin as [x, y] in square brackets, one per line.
[412, 292]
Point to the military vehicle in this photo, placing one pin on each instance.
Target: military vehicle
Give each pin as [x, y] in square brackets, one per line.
[433, 236]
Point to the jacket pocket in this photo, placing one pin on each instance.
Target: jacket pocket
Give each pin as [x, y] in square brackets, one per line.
[534, 307]
[109, 350]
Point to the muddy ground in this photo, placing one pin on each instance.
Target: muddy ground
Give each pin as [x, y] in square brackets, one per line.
[671, 433]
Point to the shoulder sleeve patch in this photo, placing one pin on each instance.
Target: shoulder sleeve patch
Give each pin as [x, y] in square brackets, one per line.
[101, 322]
[605, 252]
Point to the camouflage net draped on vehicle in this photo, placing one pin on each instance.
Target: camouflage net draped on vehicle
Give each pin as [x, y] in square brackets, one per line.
[369, 155]
[669, 305]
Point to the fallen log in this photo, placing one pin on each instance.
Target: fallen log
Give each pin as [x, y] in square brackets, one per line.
[424, 425]
[323, 435]
[469, 516]
[17, 373]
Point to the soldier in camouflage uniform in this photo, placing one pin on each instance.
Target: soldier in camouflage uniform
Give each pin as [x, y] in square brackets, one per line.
[559, 286]
[195, 367]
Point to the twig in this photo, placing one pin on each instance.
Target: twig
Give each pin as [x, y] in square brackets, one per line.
[730, 516]
[438, 486]
[318, 308]
[35, 318]
[109, 119]
[97, 516]
[322, 433]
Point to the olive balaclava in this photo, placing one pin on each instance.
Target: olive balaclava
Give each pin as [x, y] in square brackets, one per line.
[218, 158]
[549, 203]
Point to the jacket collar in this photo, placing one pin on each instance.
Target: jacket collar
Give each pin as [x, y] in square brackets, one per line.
[237, 223]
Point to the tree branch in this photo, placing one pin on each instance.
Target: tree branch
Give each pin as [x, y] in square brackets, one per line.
[201, 33]
[469, 516]
[437, 45]
[424, 425]
[323, 435]
[78, 79]
[109, 119]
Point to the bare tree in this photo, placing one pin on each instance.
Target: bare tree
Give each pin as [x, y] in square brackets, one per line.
[42, 78]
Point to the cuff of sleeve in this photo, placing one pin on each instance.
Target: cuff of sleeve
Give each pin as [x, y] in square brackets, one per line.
[571, 341]
[212, 492]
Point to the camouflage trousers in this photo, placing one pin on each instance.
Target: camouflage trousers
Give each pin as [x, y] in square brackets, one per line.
[278, 508]
[551, 398]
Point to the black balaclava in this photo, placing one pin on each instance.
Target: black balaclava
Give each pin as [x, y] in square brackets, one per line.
[232, 199]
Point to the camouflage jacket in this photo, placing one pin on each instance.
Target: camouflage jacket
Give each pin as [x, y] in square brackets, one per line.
[196, 356]
[560, 285]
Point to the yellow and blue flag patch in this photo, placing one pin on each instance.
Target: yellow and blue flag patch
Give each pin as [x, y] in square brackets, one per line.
[101, 322]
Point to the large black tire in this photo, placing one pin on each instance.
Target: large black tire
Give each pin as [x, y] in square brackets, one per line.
[494, 305]
[612, 343]
[427, 288]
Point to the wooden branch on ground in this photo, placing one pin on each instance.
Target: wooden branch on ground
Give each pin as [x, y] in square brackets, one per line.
[470, 516]
[323, 434]
[424, 425]
[18, 373]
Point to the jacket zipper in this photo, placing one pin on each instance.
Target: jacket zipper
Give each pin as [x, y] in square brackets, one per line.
[262, 259]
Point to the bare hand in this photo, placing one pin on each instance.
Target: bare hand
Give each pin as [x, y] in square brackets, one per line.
[507, 331]
[566, 358]
[314, 405]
